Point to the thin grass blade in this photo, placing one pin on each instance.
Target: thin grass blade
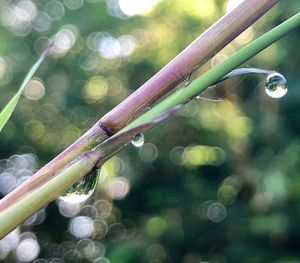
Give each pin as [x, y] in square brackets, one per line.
[11, 105]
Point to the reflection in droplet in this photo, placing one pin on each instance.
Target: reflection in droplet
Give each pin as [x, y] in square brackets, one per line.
[138, 140]
[276, 85]
[82, 189]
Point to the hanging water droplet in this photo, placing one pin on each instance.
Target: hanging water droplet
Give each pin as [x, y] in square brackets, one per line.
[138, 140]
[275, 86]
[82, 189]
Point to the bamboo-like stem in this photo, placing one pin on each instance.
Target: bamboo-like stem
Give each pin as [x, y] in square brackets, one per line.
[195, 55]
[33, 201]
[184, 95]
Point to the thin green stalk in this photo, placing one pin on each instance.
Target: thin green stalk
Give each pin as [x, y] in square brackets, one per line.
[184, 95]
[35, 200]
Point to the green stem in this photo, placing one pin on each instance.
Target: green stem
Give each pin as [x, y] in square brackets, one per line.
[184, 95]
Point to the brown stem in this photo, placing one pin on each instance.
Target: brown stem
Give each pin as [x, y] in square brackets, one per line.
[195, 55]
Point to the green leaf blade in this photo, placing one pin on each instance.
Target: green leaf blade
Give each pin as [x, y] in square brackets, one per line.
[7, 111]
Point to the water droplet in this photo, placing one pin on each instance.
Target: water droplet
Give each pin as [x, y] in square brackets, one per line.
[275, 86]
[82, 189]
[138, 140]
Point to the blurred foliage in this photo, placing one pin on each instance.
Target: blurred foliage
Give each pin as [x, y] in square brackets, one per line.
[218, 182]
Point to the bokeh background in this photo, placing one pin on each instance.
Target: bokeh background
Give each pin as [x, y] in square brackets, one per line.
[218, 182]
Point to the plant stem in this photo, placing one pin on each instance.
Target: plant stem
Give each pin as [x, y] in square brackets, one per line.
[195, 55]
[17, 213]
[35, 200]
[184, 95]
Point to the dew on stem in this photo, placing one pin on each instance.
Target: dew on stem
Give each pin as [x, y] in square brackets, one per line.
[275, 86]
[138, 140]
[82, 189]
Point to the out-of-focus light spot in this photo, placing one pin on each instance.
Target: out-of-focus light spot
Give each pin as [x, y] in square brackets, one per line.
[58, 82]
[27, 250]
[19, 16]
[95, 89]
[261, 202]
[81, 227]
[99, 250]
[227, 194]
[276, 186]
[104, 208]
[27, 10]
[17, 161]
[90, 211]
[109, 47]
[155, 226]
[34, 90]
[148, 153]
[42, 22]
[232, 4]
[216, 212]
[73, 4]
[72, 255]
[7, 182]
[68, 209]
[90, 62]
[203, 155]
[65, 39]
[70, 134]
[202, 9]
[3, 67]
[116, 232]
[239, 127]
[93, 40]
[55, 9]
[41, 44]
[118, 188]
[175, 155]
[156, 253]
[137, 7]
[127, 44]
[9, 242]
[100, 227]
[86, 247]
[35, 129]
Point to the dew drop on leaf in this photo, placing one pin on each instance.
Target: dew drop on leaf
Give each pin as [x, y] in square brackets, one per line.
[82, 189]
[138, 140]
[275, 86]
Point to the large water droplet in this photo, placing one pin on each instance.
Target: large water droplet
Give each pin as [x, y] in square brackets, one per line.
[82, 189]
[138, 140]
[276, 85]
